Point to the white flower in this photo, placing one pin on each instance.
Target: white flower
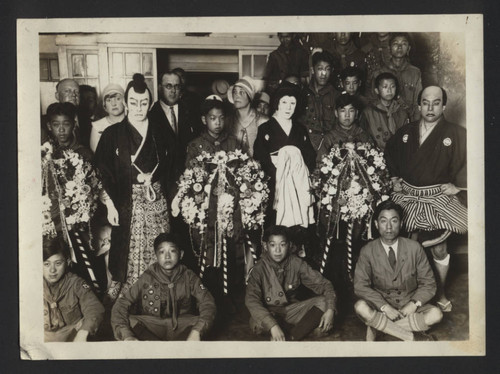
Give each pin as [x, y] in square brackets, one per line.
[324, 170]
[376, 186]
[344, 209]
[258, 186]
[243, 187]
[332, 190]
[370, 170]
[325, 200]
[385, 197]
[197, 187]
[335, 172]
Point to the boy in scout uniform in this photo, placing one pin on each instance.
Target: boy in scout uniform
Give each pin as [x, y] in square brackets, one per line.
[165, 295]
[272, 290]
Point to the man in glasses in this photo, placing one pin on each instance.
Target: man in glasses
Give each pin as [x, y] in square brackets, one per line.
[179, 125]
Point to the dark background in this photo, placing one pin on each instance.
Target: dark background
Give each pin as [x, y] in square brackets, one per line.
[9, 324]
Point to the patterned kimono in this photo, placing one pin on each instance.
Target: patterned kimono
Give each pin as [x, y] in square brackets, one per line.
[124, 158]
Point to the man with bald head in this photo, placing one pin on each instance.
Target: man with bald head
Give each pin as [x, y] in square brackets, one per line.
[428, 161]
[67, 90]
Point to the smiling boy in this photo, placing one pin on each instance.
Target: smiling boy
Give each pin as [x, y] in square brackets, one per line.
[71, 309]
[165, 293]
[272, 292]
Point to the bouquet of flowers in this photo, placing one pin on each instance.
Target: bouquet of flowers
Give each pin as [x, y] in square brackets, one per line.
[350, 181]
[72, 183]
[221, 193]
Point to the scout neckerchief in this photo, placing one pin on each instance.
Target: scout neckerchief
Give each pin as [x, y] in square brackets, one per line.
[52, 295]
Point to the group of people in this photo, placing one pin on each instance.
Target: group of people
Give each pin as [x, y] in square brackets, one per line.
[137, 258]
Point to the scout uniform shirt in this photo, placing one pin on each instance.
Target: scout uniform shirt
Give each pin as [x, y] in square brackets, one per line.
[273, 285]
[318, 114]
[161, 296]
[69, 301]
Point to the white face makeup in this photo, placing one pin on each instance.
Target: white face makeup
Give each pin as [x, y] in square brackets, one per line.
[286, 107]
[138, 105]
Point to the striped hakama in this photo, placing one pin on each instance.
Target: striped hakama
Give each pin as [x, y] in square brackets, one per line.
[427, 208]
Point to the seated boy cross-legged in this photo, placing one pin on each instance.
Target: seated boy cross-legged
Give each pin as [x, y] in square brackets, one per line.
[271, 294]
[165, 295]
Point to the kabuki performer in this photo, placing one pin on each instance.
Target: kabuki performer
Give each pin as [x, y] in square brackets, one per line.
[131, 157]
[428, 161]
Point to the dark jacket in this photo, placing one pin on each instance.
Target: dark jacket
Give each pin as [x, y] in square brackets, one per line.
[376, 282]
[189, 128]
[442, 157]
[318, 112]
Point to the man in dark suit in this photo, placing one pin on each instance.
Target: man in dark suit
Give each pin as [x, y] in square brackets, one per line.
[394, 281]
[178, 123]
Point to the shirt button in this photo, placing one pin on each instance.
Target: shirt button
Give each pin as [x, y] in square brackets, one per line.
[280, 293]
[397, 300]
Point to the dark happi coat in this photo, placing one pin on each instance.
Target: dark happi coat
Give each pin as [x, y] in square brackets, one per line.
[112, 158]
[440, 159]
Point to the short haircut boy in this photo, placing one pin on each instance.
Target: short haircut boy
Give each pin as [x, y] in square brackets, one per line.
[61, 109]
[394, 35]
[54, 246]
[210, 104]
[166, 237]
[351, 71]
[276, 231]
[387, 76]
[324, 56]
[345, 100]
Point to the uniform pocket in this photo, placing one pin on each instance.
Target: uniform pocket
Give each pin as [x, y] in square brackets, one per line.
[71, 312]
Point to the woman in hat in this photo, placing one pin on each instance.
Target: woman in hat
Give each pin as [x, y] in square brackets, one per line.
[245, 120]
[112, 98]
[131, 157]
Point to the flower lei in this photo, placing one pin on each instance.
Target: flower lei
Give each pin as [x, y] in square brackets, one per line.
[76, 188]
[350, 181]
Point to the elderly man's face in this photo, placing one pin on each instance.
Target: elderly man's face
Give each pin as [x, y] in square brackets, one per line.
[68, 92]
[170, 89]
[431, 105]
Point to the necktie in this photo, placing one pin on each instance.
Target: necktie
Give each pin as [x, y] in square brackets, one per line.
[174, 120]
[392, 258]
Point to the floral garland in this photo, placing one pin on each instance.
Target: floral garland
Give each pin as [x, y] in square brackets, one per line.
[350, 181]
[360, 171]
[76, 187]
[197, 182]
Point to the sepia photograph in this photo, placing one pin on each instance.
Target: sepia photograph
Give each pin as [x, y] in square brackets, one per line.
[303, 187]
